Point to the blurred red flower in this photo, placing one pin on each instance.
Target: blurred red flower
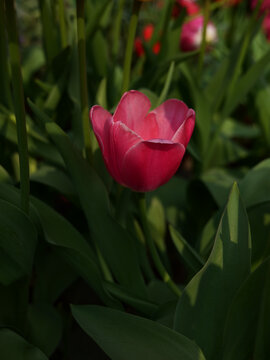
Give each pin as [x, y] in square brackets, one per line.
[147, 34]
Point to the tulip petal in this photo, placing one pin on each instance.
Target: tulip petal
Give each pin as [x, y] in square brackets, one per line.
[102, 125]
[150, 164]
[101, 121]
[183, 134]
[170, 115]
[132, 110]
[122, 140]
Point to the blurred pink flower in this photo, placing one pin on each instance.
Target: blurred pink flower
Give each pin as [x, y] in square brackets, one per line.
[265, 6]
[190, 5]
[192, 31]
[266, 26]
[142, 150]
[231, 2]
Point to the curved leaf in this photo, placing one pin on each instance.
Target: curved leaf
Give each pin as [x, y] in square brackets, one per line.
[123, 336]
[203, 306]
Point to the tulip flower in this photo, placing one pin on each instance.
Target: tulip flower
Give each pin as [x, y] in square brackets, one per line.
[142, 150]
[192, 31]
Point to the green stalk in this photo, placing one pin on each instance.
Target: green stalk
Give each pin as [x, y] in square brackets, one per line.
[62, 23]
[5, 94]
[18, 96]
[48, 30]
[117, 28]
[152, 248]
[83, 77]
[244, 47]
[206, 13]
[235, 76]
[130, 44]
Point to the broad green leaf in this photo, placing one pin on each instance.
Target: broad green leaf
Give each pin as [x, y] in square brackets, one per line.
[255, 186]
[204, 304]
[114, 242]
[4, 176]
[188, 254]
[207, 237]
[245, 84]
[54, 178]
[259, 219]
[15, 347]
[262, 97]
[233, 129]
[125, 295]
[36, 147]
[123, 336]
[53, 275]
[73, 247]
[218, 181]
[44, 328]
[12, 195]
[249, 312]
[18, 239]
[34, 60]
[13, 304]
[226, 151]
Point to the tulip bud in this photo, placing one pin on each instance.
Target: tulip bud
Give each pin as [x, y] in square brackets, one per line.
[192, 32]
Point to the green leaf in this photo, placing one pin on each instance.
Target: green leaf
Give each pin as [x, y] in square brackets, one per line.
[259, 219]
[233, 129]
[249, 312]
[15, 347]
[157, 222]
[204, 304]
[44, 327]
[114, 242]
[245, 84]
[262, 97]
[125, 295]
[189, 255]
[37, 147]
[218, 181]
[4, 176]
[255, 186]
[18, 239]
[53, 275]
[123, 336]
[73, 247]
[167, 85]
[54, 178]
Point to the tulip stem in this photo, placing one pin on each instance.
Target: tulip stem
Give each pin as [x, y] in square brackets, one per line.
[5, 93]
[130, 43]
[206, 17]
[18, 97]
[117, 28]
[62, 22]
[83, 77]
[152, 248]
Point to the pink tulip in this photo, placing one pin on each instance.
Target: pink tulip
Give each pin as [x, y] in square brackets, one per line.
[142, 150]
[192, 31]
